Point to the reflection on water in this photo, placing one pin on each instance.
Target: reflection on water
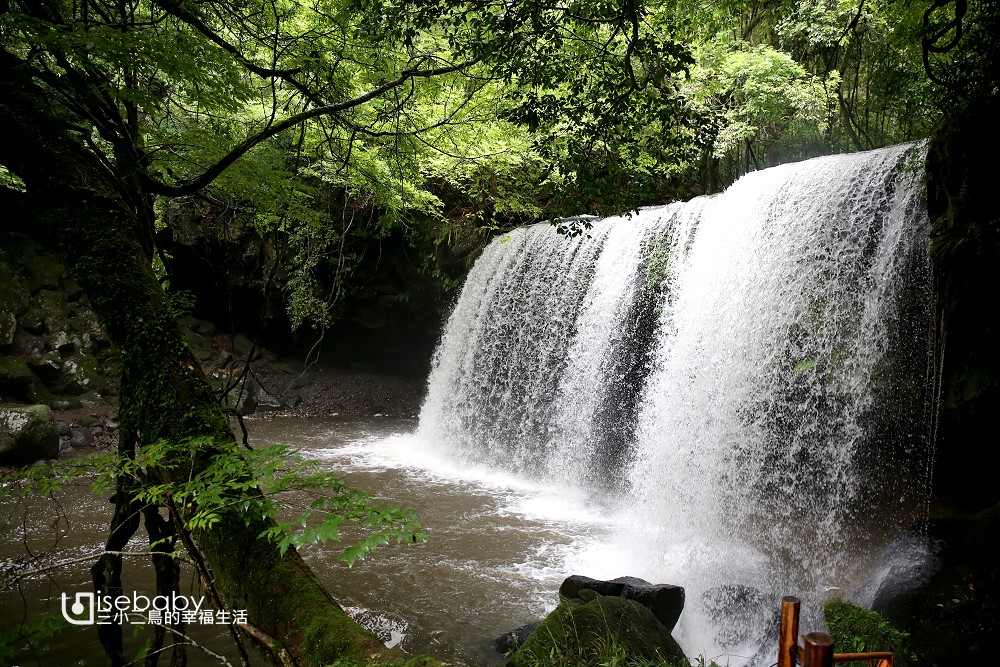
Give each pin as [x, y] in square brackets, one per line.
[56, 537]
[498, 548]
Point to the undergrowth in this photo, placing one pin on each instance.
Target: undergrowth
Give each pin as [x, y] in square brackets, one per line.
[858, 630]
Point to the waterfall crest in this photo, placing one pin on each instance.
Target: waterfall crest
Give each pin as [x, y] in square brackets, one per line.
[745, 373]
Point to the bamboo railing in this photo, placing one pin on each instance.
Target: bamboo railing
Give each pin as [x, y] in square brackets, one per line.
[816, 649]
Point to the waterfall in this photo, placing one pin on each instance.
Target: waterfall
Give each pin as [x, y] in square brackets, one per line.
[744, 375]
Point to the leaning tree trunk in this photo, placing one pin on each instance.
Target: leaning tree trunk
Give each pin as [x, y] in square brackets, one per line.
[99, 237]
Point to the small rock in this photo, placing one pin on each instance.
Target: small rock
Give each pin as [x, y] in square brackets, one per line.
[510, 641]
[43, 272]
[94, 399]
[581, 628]
[90, 420]
[48, 366]
[246, 401]
[267, 401]
[62, 427]
[62, 343]
[80, 437]
[205, 328]
[32, 321]
[73, 453]
[27, 344]
[225, 359]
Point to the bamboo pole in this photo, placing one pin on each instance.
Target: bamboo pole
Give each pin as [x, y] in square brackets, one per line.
[787, 648]
[818, 650]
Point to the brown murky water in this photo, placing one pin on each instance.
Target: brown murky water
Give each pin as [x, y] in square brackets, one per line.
[498, 549]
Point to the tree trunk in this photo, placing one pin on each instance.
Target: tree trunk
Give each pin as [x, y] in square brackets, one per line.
[98, 235]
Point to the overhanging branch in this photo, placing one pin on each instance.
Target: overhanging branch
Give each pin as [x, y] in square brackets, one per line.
[213, 172]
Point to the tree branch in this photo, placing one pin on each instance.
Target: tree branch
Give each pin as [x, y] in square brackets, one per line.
[213, 172]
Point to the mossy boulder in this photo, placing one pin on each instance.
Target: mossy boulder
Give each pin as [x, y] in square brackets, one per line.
[27, 433]
[666, 601]
[16, 379]
[81, 373]
[14, 297]
[43, 272]
[598, 630]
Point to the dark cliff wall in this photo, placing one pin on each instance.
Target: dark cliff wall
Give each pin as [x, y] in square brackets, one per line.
[965, 247]
[386, 318]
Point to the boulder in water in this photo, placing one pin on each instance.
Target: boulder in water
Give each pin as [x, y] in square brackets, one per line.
[905, 564]
[665, 601]
[512, 640]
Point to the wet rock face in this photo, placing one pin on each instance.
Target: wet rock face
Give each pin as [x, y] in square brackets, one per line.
[27, 433]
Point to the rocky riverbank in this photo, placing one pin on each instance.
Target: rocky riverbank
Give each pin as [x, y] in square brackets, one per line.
[54, 352]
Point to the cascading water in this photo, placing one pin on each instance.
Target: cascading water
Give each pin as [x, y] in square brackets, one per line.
[744, 376]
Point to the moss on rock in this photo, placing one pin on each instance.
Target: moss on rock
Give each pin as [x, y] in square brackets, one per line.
[14, 371]
[595, 631]
[43, 272]
[27, 433]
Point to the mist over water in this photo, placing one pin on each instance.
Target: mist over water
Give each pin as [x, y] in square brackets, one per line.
[742, 379]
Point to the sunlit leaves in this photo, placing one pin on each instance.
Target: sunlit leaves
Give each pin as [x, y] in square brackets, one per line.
[756, 93]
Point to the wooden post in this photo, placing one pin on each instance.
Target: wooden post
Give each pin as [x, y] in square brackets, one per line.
[787, 648]
[818, 650]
